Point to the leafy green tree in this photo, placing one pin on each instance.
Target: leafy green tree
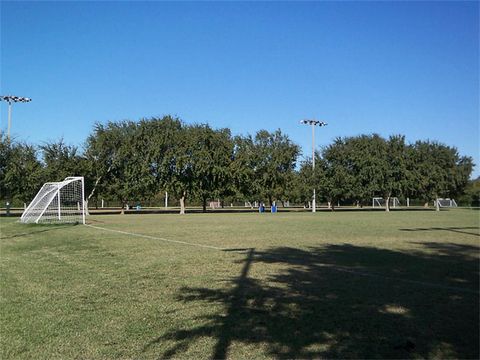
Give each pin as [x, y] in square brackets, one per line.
[211, 159]
[244, 167]
[301, 185]
[199, 164]
[266, 164]
[439, 170]
[102, 156]
[114, 159]
[471, 196]
[461, 174]
[335, 172]
[364, 159]
[395, 172]
[20, 171]
[180, 179]
[158, 140]
[358, 168]
[133, 160]
[60, 161]
[309, 178]
[5, 156]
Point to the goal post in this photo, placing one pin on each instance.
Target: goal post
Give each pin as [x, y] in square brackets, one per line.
[378, 202]
[58, 202]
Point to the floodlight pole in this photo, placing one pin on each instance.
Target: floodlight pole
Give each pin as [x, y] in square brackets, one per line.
[313, 123]
[314, 199]
[9, 120]
[12, 99]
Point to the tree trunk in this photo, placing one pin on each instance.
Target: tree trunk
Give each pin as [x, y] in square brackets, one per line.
[204, 205]
[387, 204]
[96, 184]
[182, 204]
[437, 205]
[86, 208]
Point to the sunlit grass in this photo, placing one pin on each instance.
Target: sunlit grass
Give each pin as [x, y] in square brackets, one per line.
[293, 285]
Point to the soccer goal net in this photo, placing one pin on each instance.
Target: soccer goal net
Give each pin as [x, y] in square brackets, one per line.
[378, 202]
[58, 202]
[446, 203]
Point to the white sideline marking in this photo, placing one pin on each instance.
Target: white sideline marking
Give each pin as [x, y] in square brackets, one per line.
[330, 266]
[156, 238]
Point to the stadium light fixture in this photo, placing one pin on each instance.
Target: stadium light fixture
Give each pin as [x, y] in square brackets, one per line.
[12, 99]
[313, 123]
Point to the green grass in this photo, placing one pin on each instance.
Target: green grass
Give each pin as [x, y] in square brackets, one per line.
[287, 285]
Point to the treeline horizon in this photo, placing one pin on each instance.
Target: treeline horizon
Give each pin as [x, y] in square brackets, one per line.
[133, 161]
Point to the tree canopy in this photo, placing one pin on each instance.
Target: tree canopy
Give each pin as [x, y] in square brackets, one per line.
[130, 161]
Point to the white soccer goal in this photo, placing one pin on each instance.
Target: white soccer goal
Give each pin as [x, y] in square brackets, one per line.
[380, 202]
[446, 203]
[58, 202]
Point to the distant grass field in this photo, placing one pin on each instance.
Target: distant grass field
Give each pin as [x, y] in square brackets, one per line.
[288, 285]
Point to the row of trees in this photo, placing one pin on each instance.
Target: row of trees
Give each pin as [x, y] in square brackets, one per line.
[359, 168]
[136, 161]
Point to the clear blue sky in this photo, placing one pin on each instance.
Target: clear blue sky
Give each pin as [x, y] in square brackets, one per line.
[407, 68]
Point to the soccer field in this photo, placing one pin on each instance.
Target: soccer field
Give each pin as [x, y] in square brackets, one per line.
[353, 284]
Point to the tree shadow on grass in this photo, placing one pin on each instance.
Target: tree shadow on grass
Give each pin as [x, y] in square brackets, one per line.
[343, 301]
[460, 230]
[37, 229]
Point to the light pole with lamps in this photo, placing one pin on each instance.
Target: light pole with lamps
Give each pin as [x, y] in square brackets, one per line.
[313, 123]
[12, 99]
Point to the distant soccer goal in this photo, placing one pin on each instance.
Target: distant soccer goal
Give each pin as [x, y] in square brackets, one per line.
[444, 203]
[379, 202]
[58, 202]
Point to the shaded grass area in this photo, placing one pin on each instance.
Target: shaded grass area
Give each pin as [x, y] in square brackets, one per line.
[346, 285]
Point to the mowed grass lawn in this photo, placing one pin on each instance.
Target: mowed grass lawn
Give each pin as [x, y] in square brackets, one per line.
[350, 284]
